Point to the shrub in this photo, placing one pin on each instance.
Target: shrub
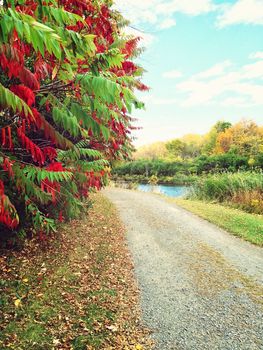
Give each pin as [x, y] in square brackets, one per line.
[242, 189]
[66, 92]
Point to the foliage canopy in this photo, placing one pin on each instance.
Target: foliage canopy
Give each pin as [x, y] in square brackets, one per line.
[67, 83]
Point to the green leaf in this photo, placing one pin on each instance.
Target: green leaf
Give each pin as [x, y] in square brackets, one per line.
[35, 173]
[9, 100]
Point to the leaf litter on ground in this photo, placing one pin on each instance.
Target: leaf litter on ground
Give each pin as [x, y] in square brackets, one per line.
[75, 292]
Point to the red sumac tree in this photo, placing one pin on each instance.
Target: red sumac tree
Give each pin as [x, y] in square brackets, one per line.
[67, 83]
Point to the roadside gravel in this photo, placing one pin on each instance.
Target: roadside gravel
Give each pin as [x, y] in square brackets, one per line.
[201, 288]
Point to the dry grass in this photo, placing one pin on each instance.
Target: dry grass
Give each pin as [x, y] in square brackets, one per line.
[242, 190]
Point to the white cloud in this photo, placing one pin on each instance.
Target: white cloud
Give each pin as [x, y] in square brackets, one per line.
[139, 11]
[167, 23]
[189, 7]
[242, 11]
[235, 101]
[225, 84]
[253, 71]
[257, 55]
[159, 13]
[214, 71]
[173, 74]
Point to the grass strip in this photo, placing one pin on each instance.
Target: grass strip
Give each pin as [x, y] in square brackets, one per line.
[242, 224]
[75, 292]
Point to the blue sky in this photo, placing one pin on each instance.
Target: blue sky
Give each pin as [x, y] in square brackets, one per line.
[204, 62]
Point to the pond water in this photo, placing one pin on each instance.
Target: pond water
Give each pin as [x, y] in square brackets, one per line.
[168, 190]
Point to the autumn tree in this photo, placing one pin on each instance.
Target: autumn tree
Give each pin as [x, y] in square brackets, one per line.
[224, 141]
[245, 138]
[153, 151]
[67, 84]
[210, 139]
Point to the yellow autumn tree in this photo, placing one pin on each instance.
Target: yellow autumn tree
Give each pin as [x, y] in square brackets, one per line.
[224, 141]
[247, 137]
[153, 151]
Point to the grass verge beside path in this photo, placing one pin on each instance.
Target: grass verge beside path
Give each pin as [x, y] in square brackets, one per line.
[74, 293]
[245, 225]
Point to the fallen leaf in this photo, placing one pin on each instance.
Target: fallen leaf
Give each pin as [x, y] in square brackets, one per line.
[56, 341]
[138, 347]
[112, 328]
[17, 303]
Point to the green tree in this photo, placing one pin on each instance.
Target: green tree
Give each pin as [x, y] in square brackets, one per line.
[176, 148]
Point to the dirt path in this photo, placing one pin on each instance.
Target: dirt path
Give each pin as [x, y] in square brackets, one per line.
[201, 288]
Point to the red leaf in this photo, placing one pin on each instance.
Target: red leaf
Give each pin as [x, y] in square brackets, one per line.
[56, 166]
[29, 79]
[3, 137]
[24, 93]
[2, 188]
[31, 147]
[10, 137]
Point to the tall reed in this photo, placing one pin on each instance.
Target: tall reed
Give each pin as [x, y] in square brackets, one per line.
[241, 189]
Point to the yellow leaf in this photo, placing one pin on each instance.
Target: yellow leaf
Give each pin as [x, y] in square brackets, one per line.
[138, 347]
[17, 302]
[54, 72]
[25, 280]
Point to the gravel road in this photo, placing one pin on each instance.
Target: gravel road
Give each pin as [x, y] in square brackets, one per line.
[201, 288]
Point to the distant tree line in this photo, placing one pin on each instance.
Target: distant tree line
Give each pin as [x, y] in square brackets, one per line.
[225, 147]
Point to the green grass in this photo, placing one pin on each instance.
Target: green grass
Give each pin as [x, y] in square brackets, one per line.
[242, 224]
